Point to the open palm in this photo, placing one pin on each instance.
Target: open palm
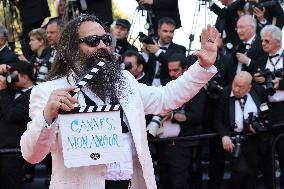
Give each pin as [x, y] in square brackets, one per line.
[209, 45]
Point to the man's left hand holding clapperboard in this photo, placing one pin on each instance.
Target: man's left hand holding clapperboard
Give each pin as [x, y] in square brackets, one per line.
[91, 135]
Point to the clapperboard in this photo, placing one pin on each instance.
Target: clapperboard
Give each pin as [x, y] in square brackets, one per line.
[91, 135]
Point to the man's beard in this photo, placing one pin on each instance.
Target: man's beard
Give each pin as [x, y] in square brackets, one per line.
[108, 81]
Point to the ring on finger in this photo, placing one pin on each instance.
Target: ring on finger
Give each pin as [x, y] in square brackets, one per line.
[210, 40]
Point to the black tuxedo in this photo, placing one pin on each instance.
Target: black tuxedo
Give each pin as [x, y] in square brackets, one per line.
[179, 163]
[220, 12]
[146, 79]
[7, 56]
[165, 8]
[255, 53]
[255, 148]
[32, 19]
[14, 116]
[275, 11]
[150, 66]
[230, 18]
[101, 9]
[123, 45]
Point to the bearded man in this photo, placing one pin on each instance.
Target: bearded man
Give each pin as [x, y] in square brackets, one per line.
[83, 43]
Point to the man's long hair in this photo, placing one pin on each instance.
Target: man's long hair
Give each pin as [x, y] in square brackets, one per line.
[68, 46]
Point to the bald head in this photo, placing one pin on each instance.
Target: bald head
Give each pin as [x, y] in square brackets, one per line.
[241, 84]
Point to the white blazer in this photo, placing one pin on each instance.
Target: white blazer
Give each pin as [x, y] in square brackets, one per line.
[138, 100]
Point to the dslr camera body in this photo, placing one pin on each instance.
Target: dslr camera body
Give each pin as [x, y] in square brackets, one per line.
[10, 75]
[237, 140]
[269, 76]
[259, 123]
[145, 39]
[213, 88]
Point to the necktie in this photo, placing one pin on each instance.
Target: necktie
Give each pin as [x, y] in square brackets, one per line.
[164, 48]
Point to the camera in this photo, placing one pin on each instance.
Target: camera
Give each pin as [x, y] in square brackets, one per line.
[213, 88]
[145, 39]
[253, 4]
[11, 76]
[179, 115]
[279, 73]
[143, 7]
[237, 140]
[153, 126]
[269, 76]
[259, 123]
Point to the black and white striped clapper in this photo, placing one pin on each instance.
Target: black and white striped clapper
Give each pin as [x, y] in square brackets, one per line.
[88, 109]
[80, 84]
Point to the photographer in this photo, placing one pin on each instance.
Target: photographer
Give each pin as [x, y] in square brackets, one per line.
[157, 54]
[272, 44]
[120, 32]
[249, 52]
[15, 87]
[267, 12]
[134, 63]
[160, 9]
[236, 102]
[6, 55]
[179, 163]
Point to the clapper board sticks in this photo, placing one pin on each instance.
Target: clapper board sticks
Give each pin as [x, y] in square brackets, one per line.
[80, 84]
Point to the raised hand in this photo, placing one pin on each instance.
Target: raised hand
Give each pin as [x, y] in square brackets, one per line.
[58, 99]
[209, 45]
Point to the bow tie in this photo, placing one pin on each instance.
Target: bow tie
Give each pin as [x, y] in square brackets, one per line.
[244, 98]
[164, 48]
[273, 56]
[247, 45]
[18, 91]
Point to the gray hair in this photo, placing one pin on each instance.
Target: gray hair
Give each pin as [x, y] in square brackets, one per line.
[250, 19]
[276, 33]
[3, 32]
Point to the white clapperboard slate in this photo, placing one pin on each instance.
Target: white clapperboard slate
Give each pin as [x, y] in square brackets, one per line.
[91, 135]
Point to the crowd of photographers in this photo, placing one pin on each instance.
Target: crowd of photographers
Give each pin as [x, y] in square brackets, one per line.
[241, 103]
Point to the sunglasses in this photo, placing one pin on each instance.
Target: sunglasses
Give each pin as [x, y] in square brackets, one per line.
[94, 40]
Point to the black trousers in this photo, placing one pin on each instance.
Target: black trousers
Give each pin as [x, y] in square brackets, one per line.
[276, 116]
[119, 184]
[11, 172]
[254, 154]
[179, 166]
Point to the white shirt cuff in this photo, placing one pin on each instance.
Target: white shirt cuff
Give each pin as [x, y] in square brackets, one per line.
[158, 52]
[46, 125]
[211, 69]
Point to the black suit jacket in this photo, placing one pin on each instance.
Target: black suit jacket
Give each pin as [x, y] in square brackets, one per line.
[7, 56]
[220, 12]
[101, 9]
[33, 11]
[275, 11]
[225, 111]
[165, 8]
[230, 17]
[124, 46]
[14, 116]
[255, 53]
[163, 59]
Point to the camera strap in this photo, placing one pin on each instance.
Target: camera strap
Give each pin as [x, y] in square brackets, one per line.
[277, 61]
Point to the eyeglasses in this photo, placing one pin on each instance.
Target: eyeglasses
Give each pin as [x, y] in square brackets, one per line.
[94, 40]
[265, 41]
